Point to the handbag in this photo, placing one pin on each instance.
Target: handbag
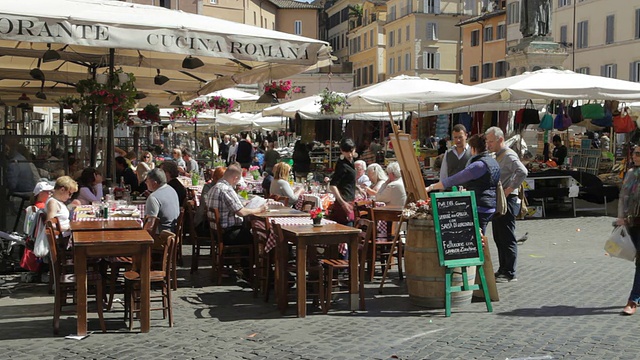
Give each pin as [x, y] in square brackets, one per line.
[620, 245]
[501, 201]
[592, 111]
[30, 261]
[524, 204]
[530, 114]
[575, 113]
[623, 123]
[605, 121]
[341, 215]
[547, 122]
[562, 120]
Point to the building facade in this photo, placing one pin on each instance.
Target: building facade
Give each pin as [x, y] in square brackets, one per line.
[367, 46]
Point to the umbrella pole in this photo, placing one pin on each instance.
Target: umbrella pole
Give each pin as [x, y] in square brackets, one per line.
[108, 152]
[195, 134]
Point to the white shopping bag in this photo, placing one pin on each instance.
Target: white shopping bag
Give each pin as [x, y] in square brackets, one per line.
[620, 245]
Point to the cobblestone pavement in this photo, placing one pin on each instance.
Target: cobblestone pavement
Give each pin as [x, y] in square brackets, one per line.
[565, 305]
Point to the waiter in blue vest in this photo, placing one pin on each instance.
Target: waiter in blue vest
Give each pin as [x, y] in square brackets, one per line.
[455, 159]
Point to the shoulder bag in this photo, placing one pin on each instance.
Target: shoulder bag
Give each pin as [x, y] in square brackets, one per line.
[501, 201]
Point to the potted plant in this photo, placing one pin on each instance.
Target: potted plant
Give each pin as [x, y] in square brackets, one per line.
[221, 103]
[280, 89]
[189, 112]
[332, 102]
[150, 112]
[316, 215]
[255, 171]
[117, 94]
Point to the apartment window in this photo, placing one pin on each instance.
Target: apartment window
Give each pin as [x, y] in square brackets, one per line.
[365, 40]
[563, 34]
[392, 68]
[487, 71]
[407, 33]
[469, 7]
[431, 60]
[583, 70]
[297, 27]
[392, 13]
[634, 71]
[213, 2]
[475, 38]
[473, 73]
[610, 26]
[365, 75]
[409, 6]
[501, 32]
[513, 13]
[255, 18]
[358, 77]
[432, 31]
[407, 61]
[488, 33]
[609, 70]
[583, 35]
[563, 3]
[370, 74]
[399, 63]
[392, 38]
[637, 25]
[399, 36]
[371, 38]
[432, 6]
[501, 69]
[165, 4]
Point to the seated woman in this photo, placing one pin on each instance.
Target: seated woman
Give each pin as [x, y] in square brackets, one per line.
[280, 184]
[145, 165]
[378, 176]
[90, 186]
[481, 175]
[392, 192]
[56, 205]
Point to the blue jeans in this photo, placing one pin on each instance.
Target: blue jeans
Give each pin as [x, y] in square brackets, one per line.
[635, 290]
[504, 234]
[484, 219]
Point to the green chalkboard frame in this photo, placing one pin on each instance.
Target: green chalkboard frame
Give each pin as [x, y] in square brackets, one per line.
[475, 261]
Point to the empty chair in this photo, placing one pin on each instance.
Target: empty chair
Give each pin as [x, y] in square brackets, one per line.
[198, 242]
[332, 266]
[240, 255]
[263, 265]
[383, 243]
[65, 281]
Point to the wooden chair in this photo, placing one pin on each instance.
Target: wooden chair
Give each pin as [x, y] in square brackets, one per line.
[361, 209]
[282, 199]
[315, 273]
[382, 244]
[235, 254]
[150, 223]
[332, 266]
[198, 242]
[308, 205]
[178, 253]
[263, 265]
[65, 281]
[167, 240]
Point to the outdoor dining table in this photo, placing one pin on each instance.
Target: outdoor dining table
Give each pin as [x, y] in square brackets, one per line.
[104, 243]
[93, 224]
[304, 236]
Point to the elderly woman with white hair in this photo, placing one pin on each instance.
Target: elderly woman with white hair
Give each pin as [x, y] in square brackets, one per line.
[377, 176]
[392, 192]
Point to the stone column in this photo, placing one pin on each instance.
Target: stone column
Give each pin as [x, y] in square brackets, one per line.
[535, 53]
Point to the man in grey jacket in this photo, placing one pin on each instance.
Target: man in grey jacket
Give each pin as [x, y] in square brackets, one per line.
[512, 174]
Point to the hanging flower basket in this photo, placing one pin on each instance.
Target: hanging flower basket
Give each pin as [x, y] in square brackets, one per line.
[189, 112]
[115, 94]
[280, 89]
[150, 112]
[332, 102]
[221, 103]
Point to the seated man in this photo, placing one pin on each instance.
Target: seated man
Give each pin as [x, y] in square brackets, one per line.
[392, 191]
[224, 198]
[163, 201]
[123, 171]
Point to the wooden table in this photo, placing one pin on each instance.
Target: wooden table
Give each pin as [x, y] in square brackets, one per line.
[111, 243]
[99, 225]
[280, 211]
[303, 236]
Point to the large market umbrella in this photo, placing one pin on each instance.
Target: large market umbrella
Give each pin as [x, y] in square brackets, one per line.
[553, 84]
[309, 109]
[411, 93]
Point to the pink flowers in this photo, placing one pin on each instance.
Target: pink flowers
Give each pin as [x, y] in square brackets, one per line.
[221, 103]
[282, 85]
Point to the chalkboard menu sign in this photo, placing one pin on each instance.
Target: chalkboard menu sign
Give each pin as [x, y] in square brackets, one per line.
[457, 231]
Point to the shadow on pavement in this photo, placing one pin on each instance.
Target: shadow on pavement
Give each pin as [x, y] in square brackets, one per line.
[562, 310]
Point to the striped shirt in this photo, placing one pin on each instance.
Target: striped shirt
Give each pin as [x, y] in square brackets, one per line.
[224, 198]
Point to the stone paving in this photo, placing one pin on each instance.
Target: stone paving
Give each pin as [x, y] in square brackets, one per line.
[565, 305]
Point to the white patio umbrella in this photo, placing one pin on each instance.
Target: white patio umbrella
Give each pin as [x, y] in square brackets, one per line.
[553, 84]
[309, 109]
[234, 94]
[410, 93]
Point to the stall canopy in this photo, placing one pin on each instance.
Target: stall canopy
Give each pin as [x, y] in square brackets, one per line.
[309, 109]
[147, 41]
[553, 84]
[410, 93]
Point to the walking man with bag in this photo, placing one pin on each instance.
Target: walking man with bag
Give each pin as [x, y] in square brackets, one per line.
[512, 174]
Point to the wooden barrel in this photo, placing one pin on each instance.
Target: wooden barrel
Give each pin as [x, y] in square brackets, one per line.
[425, 276]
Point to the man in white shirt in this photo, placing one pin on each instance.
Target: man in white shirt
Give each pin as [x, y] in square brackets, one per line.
[455, 159]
